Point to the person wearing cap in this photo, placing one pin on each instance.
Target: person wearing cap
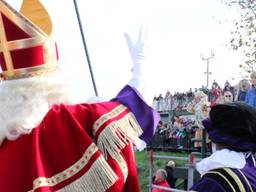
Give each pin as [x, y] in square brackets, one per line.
[169, 170]
[48, 143]
[232, 165]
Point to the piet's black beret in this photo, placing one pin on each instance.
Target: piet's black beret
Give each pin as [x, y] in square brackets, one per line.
[233, 124]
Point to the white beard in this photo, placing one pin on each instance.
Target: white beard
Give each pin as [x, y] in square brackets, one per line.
[25, 102]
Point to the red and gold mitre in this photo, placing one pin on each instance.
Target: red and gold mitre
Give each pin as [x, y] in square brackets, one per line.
[26, 49]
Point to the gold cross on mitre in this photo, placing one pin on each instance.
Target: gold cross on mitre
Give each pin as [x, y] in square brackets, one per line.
[26, 49]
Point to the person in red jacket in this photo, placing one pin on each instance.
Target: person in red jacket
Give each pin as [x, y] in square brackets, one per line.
[49, 143]
[160, 180]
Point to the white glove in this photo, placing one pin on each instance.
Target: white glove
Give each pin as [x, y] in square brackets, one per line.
[140, 144]
[138, 55]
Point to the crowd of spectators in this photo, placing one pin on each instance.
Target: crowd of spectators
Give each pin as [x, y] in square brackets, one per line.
[216, 94]
[180, 131]
[172, 102]
[176, 134]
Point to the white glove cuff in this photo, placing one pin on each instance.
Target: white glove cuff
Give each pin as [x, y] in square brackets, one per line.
[140, 144]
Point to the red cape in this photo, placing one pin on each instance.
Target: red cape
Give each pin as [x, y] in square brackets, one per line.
[65, 151]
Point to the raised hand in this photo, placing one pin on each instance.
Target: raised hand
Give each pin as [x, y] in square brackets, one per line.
[138, 53]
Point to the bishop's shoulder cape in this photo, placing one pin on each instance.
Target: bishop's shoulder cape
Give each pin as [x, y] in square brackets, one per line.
[83, 147]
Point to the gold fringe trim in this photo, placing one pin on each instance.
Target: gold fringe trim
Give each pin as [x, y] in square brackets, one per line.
[118, 134]
[105, 176]
[67, 173]
[123, 166]
[110, 115]
[98, 178]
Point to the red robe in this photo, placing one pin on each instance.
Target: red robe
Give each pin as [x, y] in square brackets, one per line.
[85, 147]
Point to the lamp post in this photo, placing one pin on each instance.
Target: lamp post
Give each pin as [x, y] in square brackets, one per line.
[207, 59]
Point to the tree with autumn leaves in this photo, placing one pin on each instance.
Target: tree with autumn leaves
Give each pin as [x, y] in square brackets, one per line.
[243, 37]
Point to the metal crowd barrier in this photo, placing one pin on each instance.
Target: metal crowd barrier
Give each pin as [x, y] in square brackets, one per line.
[190, 170]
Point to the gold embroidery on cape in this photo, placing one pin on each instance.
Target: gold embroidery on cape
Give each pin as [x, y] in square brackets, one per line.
[110, 115]
[122, 164]
[98, 178]
[67, 173]
[116, 135]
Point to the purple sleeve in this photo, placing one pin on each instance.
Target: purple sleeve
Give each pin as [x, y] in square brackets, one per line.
[146, 116]
[207, 184]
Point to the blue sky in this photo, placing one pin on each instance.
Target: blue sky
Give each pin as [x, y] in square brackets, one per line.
[179, 31]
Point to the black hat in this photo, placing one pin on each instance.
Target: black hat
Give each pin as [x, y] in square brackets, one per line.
[233, 124]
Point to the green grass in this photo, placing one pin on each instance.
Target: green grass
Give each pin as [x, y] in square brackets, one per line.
[142, 160]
